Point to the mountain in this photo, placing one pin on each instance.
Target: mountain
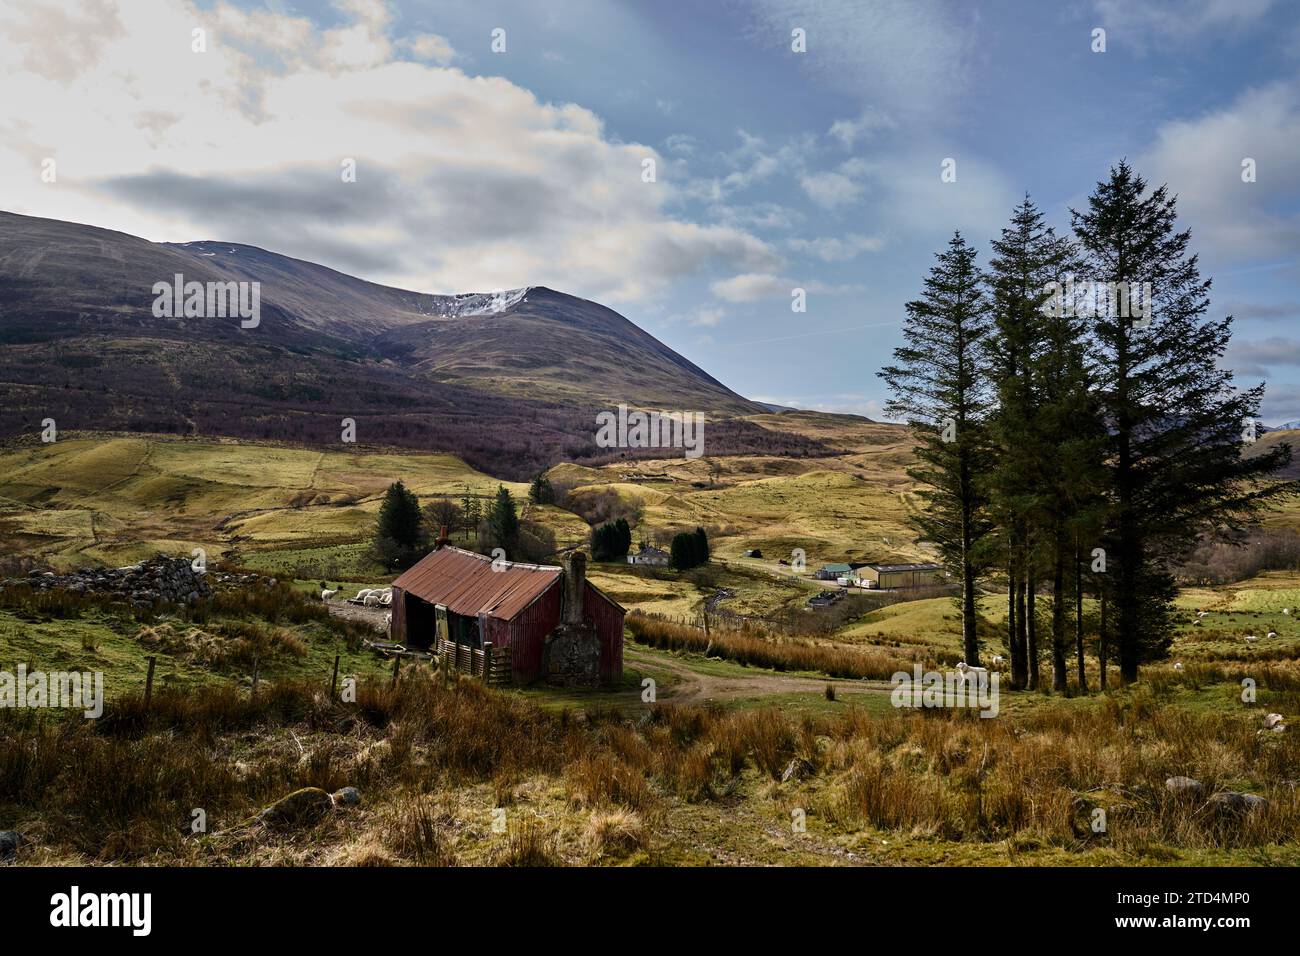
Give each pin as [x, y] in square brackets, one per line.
[511, 380]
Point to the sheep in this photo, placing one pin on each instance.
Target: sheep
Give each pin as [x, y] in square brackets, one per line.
[1272, 720]
[1272, 634]
[386, 598]
[1200, 614]
[362, 594]
[999, 660]
[1251, 638]
[1286, 610]
[371, 599]
[966, 671]
[1178, 665]
[326, 595]
[388, 621]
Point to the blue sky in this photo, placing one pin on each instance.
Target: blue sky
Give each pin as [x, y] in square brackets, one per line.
[774, 169]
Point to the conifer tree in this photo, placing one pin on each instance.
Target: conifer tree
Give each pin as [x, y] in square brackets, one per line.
[1175, 464]
[939, 387]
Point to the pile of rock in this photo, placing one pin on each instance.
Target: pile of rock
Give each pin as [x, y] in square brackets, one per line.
[160, 578]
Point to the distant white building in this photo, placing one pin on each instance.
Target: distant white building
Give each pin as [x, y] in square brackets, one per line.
[649, 555]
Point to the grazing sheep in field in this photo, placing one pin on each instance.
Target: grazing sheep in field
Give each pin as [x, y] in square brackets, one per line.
[371, 599]
[1272, 634]
[1178, 665]
[326, 595]
[966, 671]
[386, 598]
[362, 594]
[1272, 721]
[1286, 610]
[1251, 638]
[388, 621]
[1200, 614]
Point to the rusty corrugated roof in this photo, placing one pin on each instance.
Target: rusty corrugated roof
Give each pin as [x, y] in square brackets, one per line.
[464, 583]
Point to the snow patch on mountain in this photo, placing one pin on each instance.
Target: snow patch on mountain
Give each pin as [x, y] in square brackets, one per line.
[476, 303]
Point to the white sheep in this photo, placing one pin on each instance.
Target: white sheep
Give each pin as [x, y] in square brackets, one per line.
[362, 594]
[1178, 665]
[1251, 638]
[1286, 610]
[388, 621]
[371, 599]
[386, 598]
[326, 595]
[1200, 613]
[999, 660]
[1272, 633]
[966, 671]
[1272, 720]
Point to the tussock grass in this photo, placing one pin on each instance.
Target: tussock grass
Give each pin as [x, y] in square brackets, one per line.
[753, 647]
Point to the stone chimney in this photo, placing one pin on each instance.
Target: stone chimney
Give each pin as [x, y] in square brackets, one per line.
[575, 585]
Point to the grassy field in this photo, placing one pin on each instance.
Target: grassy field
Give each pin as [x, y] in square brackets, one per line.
[750, 725]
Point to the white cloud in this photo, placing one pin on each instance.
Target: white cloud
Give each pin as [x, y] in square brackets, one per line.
[431, 47]
[833, 188]
[1139, 23]
[838, 248]
[756, 287]
[463, 183]
[1201, 160]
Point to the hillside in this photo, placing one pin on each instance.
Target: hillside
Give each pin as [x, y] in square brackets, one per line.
[511, 380]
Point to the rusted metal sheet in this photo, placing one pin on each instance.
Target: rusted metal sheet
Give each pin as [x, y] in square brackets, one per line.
[465, 583]
[606, 616]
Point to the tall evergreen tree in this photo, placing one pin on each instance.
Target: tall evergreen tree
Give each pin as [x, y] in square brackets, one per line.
[939, 387]
[1175, 464]
[503, 521]
[400, 535]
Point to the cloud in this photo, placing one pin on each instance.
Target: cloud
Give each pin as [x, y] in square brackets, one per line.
[1137, 23]
[1201, 160]
[838, 249]
[431, 47]
[463, 182]
[832, 188]
[912, 54]
[1255, 357]
[756, 287]
[847, 132]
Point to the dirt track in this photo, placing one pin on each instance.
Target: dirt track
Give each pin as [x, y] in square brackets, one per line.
[693, 687]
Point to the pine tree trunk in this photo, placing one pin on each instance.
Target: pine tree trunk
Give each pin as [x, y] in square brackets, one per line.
[1101, 638]
[1013, 630]
[1078, 618]
[1059, 674]
[1031, 629]
[1021, 626]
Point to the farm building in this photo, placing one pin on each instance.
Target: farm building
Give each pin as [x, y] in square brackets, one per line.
[648, 555]
[893, 576]
[550, 622]
[831, 572]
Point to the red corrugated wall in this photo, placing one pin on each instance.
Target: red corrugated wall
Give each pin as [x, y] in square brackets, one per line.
[607, 618]
[526, 634]
[398, 630]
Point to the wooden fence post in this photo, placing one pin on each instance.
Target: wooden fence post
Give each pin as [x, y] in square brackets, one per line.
[148, 682]
[487, 661]
[334, 680]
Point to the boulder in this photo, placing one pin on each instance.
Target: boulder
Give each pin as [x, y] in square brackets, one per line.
[10, 841]
[1185, 786]
[1234, 802]
[347, 797]
[301, 808]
